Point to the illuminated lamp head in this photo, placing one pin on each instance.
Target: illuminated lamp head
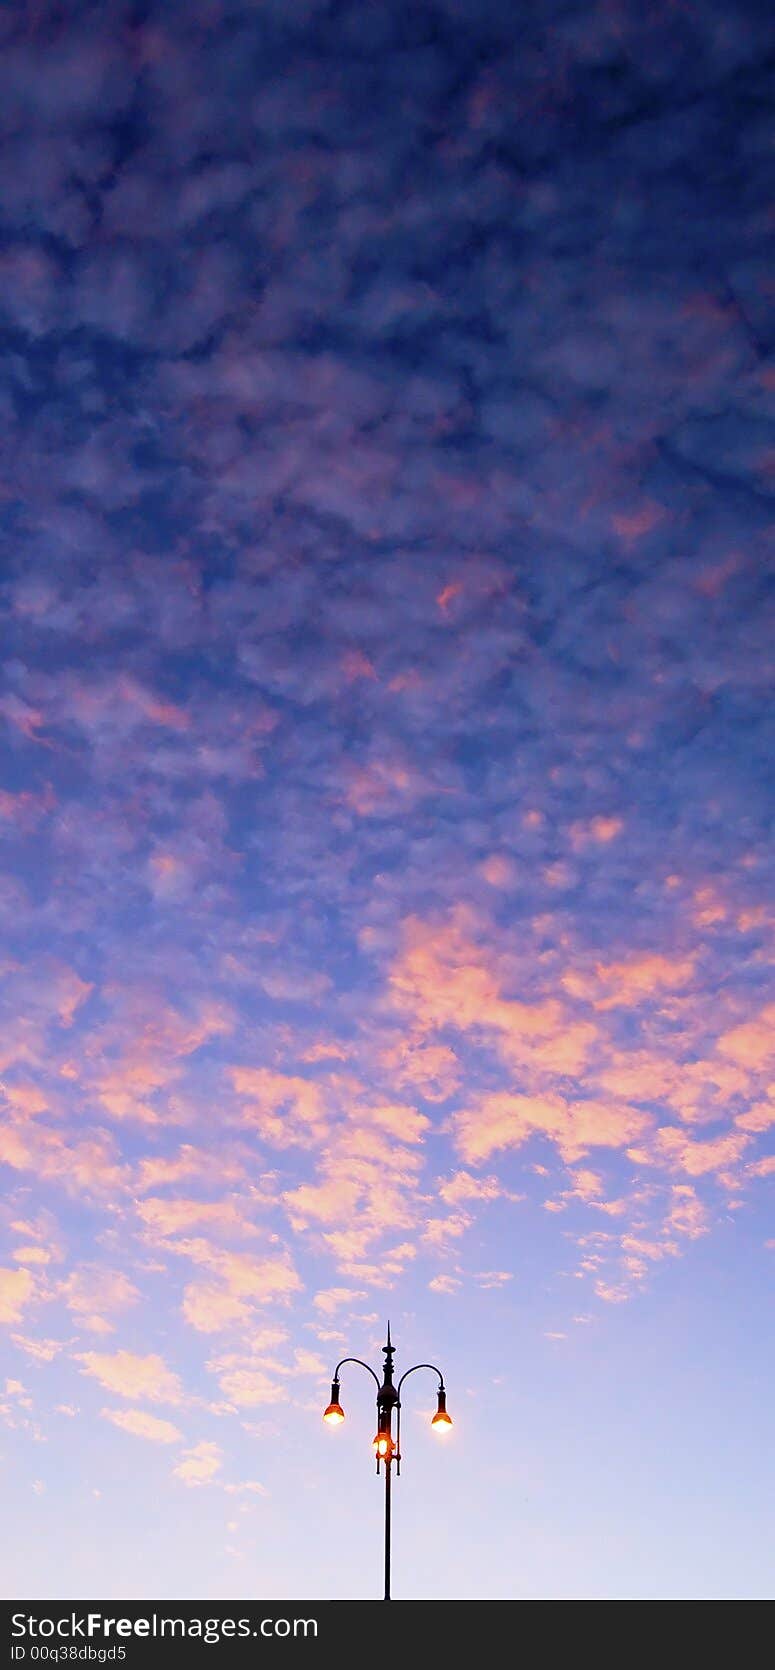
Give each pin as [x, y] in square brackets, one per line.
[334, 1414]
[441, 1421]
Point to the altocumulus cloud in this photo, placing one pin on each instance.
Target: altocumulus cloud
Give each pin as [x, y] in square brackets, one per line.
[387, 437]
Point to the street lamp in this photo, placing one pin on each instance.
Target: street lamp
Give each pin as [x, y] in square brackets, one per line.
[387, 1449]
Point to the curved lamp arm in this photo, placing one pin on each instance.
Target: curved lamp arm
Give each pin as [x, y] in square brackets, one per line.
[362, 1364]
[431, 1366]
[434, 1370]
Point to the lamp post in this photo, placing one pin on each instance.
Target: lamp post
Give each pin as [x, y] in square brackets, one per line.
[386, 1449]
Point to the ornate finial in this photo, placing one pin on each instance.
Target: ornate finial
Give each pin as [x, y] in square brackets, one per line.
[388, 1353]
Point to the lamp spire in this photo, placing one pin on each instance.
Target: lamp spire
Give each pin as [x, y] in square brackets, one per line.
[389, 1353]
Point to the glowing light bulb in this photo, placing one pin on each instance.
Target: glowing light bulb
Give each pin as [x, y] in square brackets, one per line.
[334, 1414]
[441, 1421]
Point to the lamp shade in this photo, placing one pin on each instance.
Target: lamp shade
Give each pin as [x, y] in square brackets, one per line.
[441, 1421]
[334, 1414]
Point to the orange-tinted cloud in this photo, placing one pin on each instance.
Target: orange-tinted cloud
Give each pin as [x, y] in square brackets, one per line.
[627, 983]
[247, 1382]
[140, 1051]
[86, 1165]
[210, 1309]
[16, 1290]
[464, 1186]
[42, 1350]
[235, 1283]
[143, 1425]
[752, 1044]
[200, 1464]
[499, 870]
[173, 1216]
[697, 1158]
[158, 1171]
[501, 1120]
[687, 1214]
[432, 1071]
[444, 1284]
[444, 979]
[133, 1376]
[598, 831]
[331, 1299]
[285, 1110]
[95, 1294]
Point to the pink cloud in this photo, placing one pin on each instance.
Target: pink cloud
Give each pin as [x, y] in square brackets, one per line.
[612, 1293]
[172, 1217]
[246, 1382]
[697, 1158]
[464, 1186]
[627, 983]
[95, 1294]
[368, 1182]
[157, 1171]
[143, 1425]
[17, 1288]
[331, 1299]
[432, 1071]
[632, 526]
[133, 1376]
[438, 1231]
[763, 1168]
[443, 978]
[210, 1309]
[42, 1350]
[235, 1283]
[82, 1165]
[598, 831]
[758, 1118]
[32, 1255]
[140, 1052]
[687, 1214]
[499, 870]
[752, 1044]
[200, 1464]
[381, 786]
[488, 1279]
[284, 1109]
[588, 1185]
[501, 1120]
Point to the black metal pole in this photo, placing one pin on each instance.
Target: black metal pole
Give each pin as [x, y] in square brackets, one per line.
[388, 1470]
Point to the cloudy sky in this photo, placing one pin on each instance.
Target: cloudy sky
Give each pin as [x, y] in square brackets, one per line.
[387, 468]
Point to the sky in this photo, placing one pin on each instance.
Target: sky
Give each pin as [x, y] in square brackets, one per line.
[387, 472]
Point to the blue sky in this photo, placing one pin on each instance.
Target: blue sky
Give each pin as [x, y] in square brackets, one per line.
[385, 813]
